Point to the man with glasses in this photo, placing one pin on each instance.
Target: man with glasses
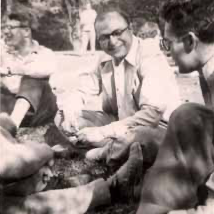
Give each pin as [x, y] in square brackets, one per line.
[182, 177]
[25, 70]
[138, 92]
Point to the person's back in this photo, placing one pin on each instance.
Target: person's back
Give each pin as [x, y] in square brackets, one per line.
[183, 170]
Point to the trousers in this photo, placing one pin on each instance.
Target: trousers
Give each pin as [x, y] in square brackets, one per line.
[150, 138]
[88, 37]
[184, 162]
[39, 94]
[67, 201]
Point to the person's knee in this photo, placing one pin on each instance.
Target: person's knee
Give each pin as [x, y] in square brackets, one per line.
[7, 124]
[184, 113]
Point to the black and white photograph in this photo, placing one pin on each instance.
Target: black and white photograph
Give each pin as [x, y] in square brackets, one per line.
[107, 107]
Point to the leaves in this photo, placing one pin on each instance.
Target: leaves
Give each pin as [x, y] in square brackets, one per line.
[55, 22]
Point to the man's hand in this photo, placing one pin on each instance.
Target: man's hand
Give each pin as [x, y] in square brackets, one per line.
[91, 135]
[71, 120]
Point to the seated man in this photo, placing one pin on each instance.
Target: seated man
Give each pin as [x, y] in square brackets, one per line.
[25, 69]
[138, 91]
[24, 172]
[183, 172]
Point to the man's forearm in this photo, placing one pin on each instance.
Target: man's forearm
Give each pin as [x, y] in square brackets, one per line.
[31, 73]
[147, 116]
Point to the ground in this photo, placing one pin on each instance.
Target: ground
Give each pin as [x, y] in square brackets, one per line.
[189, 90]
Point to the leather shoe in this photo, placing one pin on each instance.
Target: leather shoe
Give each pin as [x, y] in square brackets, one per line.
[128, 176]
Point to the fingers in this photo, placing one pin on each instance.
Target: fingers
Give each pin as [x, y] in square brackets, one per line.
[73, 140]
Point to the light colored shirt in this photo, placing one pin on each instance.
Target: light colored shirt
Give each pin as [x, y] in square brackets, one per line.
[39, 63]
[119, 78]
[150, 89]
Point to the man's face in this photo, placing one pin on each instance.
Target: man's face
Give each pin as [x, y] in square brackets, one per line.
[183, 58]
[114, 36]
[14, 33]
[147, 32]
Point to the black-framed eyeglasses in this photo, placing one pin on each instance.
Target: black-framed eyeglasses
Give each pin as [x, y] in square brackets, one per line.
[116, 34]
[167, 43]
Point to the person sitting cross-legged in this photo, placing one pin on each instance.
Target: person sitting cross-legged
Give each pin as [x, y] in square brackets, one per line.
[28, 185]
[25, 70]
[138, 92]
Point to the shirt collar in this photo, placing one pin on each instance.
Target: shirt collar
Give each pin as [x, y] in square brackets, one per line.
[34, 50]
[131, 56]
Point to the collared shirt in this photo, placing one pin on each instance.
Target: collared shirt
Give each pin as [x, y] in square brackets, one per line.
[154, 88]
[39, 63]
[151, 92]
[119, 78]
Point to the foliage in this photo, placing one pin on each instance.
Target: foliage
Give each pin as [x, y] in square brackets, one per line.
[52, 21]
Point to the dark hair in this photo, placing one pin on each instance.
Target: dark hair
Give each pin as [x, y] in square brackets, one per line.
[24, 18]
[151, 25]
[190, 15]
[112, 9]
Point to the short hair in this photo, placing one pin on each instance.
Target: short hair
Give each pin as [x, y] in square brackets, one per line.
[24, 18]
[151, 25]
[153, 30]
[112, 9]
[190, 15]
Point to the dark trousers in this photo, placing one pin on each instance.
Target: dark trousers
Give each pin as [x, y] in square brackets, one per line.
[39, 94]
[183, 163]
[62, 201]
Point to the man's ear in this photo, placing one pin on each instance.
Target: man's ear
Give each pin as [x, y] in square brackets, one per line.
[190, 42]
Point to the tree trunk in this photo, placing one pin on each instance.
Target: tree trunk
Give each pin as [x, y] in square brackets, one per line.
[73, 24]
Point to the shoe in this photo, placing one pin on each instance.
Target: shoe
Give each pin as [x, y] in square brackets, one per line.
[97, 154]
[62, 182]
[128, 176]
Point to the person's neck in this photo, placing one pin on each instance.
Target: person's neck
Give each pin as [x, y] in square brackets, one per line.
[25, 48]
[117, 61]
[206, 53]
